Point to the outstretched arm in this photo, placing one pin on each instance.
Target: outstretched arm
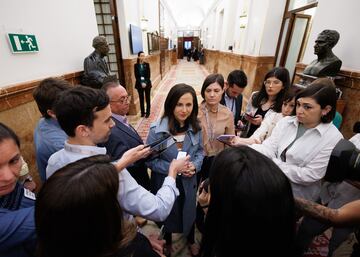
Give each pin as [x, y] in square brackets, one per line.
[347, 215]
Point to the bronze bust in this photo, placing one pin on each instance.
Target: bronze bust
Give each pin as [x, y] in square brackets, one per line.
[95, 66]
[327, 63]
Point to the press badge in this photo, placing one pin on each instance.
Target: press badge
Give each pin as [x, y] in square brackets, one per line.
[28, 194]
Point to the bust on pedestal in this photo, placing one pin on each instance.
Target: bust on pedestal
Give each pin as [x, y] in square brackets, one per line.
[327, 64]
[96, 69]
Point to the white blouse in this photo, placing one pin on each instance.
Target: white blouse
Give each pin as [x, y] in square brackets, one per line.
[308, 157]
[267, 125]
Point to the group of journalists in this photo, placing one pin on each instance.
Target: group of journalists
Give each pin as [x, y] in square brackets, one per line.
[240, 178]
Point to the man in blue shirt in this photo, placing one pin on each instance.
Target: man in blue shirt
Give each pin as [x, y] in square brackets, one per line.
[48, 136]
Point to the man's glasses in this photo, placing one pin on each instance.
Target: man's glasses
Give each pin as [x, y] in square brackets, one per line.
[122, 100]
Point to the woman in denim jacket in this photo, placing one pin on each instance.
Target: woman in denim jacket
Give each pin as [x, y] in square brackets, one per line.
[180, 121]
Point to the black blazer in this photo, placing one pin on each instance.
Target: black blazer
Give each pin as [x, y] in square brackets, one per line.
[238, 105]
[138, 77]
[121, 139]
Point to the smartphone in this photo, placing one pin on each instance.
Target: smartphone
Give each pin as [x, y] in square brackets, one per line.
[159, 146]
[180, 155]
[225, 138]
[250, 115]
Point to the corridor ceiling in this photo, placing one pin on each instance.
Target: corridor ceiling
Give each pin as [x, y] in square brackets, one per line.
[189, 13]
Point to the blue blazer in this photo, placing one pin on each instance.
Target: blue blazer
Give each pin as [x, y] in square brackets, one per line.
[121, 139]
[194, 147]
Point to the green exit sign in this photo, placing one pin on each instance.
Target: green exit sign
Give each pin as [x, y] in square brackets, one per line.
[21, 43]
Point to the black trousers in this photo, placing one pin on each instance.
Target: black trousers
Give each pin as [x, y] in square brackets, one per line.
[141, 92]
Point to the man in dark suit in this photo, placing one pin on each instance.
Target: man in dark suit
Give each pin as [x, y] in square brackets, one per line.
[95, 66]
[232, 97]
[123, 135]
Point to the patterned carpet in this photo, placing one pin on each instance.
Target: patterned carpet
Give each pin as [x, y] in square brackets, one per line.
[193, 74]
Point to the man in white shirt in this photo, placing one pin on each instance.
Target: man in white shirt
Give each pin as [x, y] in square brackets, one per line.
[85, 115]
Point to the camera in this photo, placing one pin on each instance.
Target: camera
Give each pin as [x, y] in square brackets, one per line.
[344, 163]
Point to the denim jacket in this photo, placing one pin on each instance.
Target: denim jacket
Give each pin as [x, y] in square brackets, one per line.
[192, 146]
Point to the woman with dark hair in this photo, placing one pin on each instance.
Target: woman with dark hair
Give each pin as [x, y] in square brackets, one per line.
[143, 83]
[270, 121]
[180, 121]
[301, 145]
[17, 228]
[270, 97]
[77, 214]
[247, 186]
[216, 119]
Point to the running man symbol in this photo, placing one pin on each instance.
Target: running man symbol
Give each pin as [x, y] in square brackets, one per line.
[28, 41]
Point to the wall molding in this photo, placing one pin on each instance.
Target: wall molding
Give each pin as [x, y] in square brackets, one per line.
[21, 93]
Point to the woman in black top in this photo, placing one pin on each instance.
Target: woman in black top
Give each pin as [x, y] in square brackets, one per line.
[143, 83]
[276, 83]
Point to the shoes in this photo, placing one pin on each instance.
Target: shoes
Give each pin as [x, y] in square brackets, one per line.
[140, 221]
[194, 250]
[147, 115]
[142, 115]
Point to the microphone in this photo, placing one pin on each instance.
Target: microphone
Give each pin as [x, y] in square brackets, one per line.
[356, 128]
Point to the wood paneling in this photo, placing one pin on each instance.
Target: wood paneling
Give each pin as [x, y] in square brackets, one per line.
[173, 56]
[255, 67]
[154, 62]
[19, 111]
[21, 93]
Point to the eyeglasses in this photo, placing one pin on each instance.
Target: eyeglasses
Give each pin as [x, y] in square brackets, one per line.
[274, 82]
[122, 100]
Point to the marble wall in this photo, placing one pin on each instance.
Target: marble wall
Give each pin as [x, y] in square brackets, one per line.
[255, 67]
[19, 111]
[350, 106]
